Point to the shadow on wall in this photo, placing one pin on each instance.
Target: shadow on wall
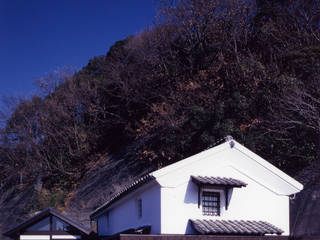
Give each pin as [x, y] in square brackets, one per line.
[230, 192]
[190, 229]
[191, 195]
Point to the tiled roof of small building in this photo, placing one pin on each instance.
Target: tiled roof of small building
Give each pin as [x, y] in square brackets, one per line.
[45, 213]
[234, 227]
[218, 181]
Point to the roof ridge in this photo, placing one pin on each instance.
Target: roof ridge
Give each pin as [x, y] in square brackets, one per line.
[227, 138]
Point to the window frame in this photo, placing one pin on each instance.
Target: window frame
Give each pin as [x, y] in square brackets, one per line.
[218, 193]
[139, 207]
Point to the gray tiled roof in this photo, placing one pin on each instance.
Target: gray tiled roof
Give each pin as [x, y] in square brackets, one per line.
[234, 227]
[136, 184]
[218, 181]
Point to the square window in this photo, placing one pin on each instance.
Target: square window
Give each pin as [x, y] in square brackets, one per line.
[211, 203]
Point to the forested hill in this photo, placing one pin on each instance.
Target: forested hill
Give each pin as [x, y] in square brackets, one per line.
[205, 70]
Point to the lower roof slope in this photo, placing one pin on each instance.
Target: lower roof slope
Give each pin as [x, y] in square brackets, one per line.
[234, 227]
[126, 190]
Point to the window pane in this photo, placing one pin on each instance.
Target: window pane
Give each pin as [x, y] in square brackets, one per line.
[59, 225]
[211, 203]
[139, 208]
[43, 225]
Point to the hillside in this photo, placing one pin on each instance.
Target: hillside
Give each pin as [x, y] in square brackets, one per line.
[205, 70]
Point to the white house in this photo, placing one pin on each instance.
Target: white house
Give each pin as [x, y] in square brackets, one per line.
[226, 189]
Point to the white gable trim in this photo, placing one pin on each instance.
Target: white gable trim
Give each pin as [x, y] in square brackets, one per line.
[231, 146]
[248, 176]
[274, 170]
[190, 160]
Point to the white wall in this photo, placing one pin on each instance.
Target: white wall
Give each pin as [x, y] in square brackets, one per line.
[173, 200]
[124, 215]
[179, 197]
[253, 202]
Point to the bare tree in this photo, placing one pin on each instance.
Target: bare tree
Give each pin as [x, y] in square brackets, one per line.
[48, 83]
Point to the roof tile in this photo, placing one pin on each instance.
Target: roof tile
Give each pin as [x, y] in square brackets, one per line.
[234, 227]
[218, 181]
[141, 181]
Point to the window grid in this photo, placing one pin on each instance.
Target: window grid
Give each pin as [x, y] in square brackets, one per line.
[211, 203]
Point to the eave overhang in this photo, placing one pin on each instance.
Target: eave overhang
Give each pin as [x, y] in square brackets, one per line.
[219, 182]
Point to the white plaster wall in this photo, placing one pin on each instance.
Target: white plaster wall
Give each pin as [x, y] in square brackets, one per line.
[168, 205]
[124, 215]
[179, 196]
[253, 202]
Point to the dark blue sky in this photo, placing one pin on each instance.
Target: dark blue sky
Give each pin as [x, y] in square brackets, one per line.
[39, 36]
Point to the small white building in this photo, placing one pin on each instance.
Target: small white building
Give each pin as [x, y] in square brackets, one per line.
[49, 224]
[226, 189]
